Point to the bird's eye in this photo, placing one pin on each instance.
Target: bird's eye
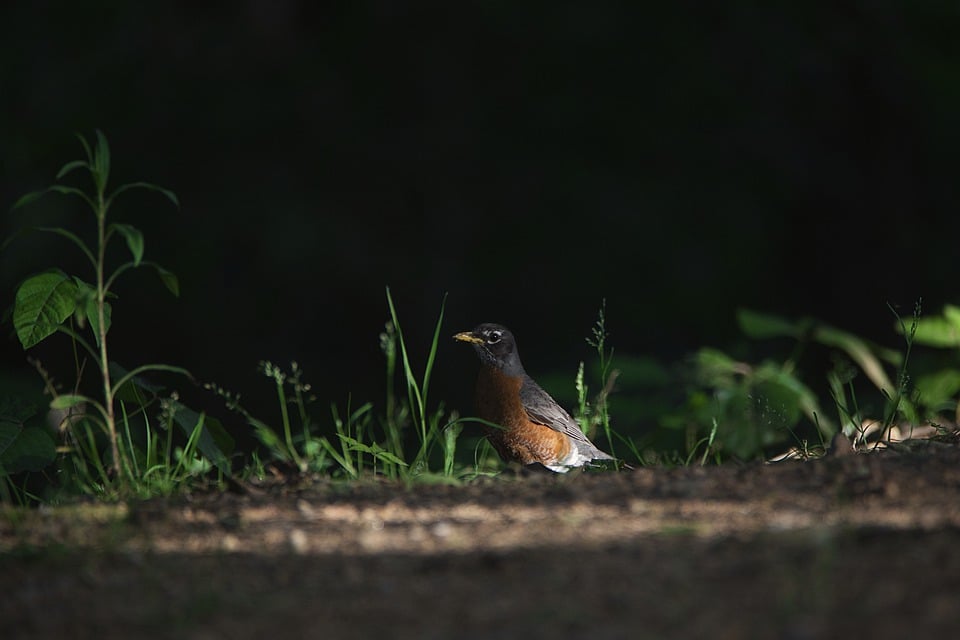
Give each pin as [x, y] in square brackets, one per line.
[494, 337]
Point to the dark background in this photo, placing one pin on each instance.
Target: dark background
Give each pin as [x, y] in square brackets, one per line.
[678, 160]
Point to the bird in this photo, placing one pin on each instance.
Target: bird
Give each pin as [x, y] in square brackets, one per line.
[533, 428]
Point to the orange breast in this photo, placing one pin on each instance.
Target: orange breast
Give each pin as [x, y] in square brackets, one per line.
[520, 440]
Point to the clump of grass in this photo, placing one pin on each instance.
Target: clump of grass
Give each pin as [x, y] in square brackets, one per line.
[595, 416]
[360, 442]
[896, 402]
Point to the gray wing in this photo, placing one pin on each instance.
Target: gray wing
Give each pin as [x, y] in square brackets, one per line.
[544, 410]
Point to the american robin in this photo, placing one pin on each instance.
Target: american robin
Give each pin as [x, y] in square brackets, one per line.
[535, 429]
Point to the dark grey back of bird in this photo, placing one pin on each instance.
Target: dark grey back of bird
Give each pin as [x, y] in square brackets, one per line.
[544, 410]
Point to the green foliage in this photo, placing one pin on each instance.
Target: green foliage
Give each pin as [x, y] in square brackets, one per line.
[43, 303]
[600, 414]
[26, 446]
[425, 422]
[360, 442]
[133, 438]
[941, 331]
[744, 409]
[594, 416]
[54, 302]
[293, 443]
[938, 390]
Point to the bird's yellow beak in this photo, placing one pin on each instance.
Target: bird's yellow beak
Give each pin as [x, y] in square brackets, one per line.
[466, 336]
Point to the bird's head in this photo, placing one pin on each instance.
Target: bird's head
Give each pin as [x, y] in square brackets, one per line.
[495, 346]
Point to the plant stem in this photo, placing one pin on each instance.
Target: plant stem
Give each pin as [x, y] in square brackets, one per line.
[287, 433]
[102, 331]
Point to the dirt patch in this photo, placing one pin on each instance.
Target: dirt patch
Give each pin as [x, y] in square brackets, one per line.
[863, 545]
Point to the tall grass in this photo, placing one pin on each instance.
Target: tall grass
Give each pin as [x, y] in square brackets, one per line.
[399, 443]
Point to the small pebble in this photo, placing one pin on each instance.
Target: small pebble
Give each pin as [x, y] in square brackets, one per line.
[298, 541]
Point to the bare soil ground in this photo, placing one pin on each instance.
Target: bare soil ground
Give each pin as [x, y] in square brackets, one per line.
[863, 545]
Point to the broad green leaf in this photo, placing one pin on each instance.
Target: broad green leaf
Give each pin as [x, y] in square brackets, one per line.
[715, 367]
[67, 400]
[25, 448]
[938, 388]
[43, 302]
[952, 313]
[784, 395]
[9, 430]
[939, 331]
[134, 239]
[765, 325]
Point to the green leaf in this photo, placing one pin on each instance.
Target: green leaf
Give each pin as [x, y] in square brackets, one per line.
[952, 313]
[94, 318]
[860, 352]
[170, 195]
[373, 449]
[936, 331]
[24, 448]
[131, 387]
[168, 278]
[85, 293]
[67, 400]
[132, 375]
[267, 436]
[134, 239]
[9, 430]
[938, 388]
[101, 162]
[215, 443]
[27, 198]
[764, 325]
[86, 150]
[57, 188]
[70, 166]
[716, 368]
[72, 237]
[786, 394]
[43, 302]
